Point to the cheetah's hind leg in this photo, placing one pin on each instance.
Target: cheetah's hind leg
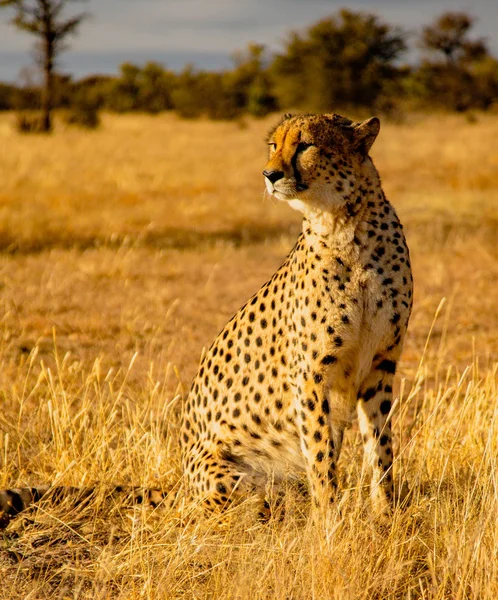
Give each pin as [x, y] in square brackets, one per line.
[220, 480]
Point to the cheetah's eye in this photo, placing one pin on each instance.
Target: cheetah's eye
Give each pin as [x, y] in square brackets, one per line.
[302, 146]
[272, 146]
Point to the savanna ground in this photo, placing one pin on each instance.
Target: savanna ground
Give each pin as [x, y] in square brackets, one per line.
[122, 253]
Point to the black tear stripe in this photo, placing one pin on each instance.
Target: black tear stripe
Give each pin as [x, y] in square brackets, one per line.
[300, 186]
[388, 366]
[297, 174]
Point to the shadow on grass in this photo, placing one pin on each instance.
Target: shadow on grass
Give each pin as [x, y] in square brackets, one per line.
[439, 231]
[166, 238]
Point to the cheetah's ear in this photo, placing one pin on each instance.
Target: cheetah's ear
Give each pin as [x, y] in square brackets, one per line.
[365, 134]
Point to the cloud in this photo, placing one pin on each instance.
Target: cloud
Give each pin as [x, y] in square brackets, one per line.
[225, 25]
[219, 27]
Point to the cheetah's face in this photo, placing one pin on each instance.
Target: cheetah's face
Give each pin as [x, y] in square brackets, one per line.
[315, 160]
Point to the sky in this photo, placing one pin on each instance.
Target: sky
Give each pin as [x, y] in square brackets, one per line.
[207, 32]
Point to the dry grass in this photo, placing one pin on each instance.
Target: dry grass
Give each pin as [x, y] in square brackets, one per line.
[123, 252]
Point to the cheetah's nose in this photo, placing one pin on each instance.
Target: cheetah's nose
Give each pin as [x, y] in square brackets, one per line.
[273, 176]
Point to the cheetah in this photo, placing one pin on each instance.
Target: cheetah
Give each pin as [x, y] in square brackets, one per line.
[321, 339]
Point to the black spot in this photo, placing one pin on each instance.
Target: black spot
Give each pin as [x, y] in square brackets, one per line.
[369, 394]
[221, 488]
[328, 359]
[385, 407]
[388, 366]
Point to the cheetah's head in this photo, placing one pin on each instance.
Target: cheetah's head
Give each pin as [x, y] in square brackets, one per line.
[316, 160]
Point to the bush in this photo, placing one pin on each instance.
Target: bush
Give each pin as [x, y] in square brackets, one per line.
[29, 123]
[84, 113]
[199, 93]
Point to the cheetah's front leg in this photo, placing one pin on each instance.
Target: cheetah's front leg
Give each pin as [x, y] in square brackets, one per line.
[374, 406]
[320, 440]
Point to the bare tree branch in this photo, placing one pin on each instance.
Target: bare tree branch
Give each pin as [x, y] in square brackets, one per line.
[43, 18]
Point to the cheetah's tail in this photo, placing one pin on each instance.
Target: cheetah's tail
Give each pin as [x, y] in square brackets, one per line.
[16, 500]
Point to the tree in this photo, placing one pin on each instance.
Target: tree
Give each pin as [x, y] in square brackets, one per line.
[202, 93]
[249, 82]
[146, 88]
[43, 19]
[125, 91]
[458, 71]
[156, 85]
[449, 36]
[342, 61]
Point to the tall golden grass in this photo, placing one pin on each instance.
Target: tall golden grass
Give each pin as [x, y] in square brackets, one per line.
[123, 252]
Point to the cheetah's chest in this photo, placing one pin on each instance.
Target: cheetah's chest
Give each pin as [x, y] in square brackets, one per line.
[338, 309]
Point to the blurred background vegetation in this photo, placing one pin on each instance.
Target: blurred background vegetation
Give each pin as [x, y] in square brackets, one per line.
[352, 61]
